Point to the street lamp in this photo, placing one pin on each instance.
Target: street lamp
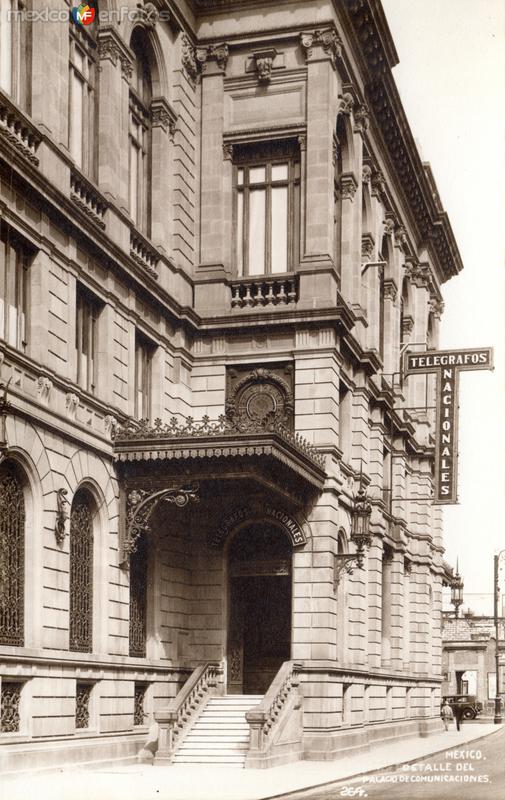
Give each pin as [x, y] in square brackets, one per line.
[360, 535]
[497, 700]
[457, 591]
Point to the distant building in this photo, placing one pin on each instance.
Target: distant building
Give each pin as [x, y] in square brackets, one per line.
[217, 238]
[468, 657]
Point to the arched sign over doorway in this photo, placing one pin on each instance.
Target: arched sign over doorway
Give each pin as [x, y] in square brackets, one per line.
[267, 513]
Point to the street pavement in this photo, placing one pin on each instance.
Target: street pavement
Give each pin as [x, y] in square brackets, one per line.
[472, 771]
[296, 780]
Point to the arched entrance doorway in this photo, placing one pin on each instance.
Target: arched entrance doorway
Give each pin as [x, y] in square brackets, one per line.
[259, 598]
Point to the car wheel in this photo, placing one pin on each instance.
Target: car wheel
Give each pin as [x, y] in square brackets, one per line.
[468, 713]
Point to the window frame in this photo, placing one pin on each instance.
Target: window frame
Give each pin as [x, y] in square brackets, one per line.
[15, 278]
[140, 97]
[144, 385]
[18, 45]
[85, 298]
[87, 74]
[266, 154]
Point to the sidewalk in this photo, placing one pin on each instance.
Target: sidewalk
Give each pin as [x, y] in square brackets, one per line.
[140, 782]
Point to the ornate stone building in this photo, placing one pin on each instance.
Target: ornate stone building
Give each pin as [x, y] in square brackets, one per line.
[217, 238]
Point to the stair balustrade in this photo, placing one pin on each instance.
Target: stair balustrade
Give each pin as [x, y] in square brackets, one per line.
[266, 718]
[176, 719]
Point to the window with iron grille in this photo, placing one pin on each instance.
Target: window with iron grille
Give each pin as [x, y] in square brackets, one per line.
[14, 263]
[138, 600]
[12, 540]
[9, 706]
[139, 695]
[81, 573]
[82, 702]
[267, 208]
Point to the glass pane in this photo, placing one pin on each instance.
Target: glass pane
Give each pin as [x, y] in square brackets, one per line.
[240, 234]
[6, 47]
[257, 232]
[78, 59]
[240, 177]
[279, 172]
[280, 229]
[257, 174]
[76, 118]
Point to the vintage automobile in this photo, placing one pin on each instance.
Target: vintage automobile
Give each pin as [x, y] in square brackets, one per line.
[467, 702]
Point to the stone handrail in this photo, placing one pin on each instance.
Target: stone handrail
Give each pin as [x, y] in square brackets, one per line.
[88, 198]
[18, 130]
[264, 717]
[264, 291]
[175, 720]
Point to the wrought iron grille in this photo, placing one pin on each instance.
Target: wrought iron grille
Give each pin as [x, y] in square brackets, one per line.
[9, 700]
[82, 698]
[12, 535]
[138, 599]
[138, 703]
[81, 574]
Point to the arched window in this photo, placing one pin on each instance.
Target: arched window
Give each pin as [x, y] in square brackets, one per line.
[14, 51]
[81, 572]
[12, 542]
[82, 97]
[140, 134]
[138, 599]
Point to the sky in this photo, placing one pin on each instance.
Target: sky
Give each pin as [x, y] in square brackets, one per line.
[451, 80]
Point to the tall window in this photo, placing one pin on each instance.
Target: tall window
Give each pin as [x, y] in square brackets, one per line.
[138, 599]
[81, 573]
[15, 52]
[140, 134]
[12, 539]
[267, 209]
[344, 421]
[86, 338]
[82, 97]
[14, 262]
[143, 361]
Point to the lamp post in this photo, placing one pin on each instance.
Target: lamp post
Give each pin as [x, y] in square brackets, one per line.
[497, 700]
[457, 591]
[360, 535]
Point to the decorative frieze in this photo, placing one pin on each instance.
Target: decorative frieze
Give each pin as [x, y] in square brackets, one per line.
[325, 39]
[264, 61]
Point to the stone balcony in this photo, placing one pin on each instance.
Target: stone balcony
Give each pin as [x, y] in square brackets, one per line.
[18, 131]
[89, 199]
[266, 290]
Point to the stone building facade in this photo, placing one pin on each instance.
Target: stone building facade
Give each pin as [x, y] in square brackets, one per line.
[469, 657]
[214, 211]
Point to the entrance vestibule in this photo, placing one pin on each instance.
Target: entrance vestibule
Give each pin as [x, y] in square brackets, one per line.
[259, 597]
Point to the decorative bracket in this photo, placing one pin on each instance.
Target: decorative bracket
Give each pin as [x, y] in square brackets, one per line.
[343, 563]
[264, 60]
[140, 505]
[61, 516]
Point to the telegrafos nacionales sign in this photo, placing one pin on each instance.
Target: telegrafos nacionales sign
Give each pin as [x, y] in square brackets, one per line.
[447, 364]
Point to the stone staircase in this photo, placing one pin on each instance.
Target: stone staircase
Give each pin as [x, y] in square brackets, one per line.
[220, 735]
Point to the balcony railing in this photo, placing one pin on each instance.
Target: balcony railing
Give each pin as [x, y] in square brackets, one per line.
[143, 253]
[88, 198]
[265, 291]
[16, 129]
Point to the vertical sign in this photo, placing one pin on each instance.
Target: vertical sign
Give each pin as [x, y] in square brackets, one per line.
[447, 364]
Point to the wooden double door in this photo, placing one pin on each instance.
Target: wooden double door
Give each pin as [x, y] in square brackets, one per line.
[259, 599]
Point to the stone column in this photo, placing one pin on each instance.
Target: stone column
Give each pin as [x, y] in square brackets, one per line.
[163, 129]
[38, 335]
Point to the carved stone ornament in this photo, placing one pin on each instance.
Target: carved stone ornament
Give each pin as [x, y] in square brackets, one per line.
[72, 403]
[214, 52]
[264, 60]
[110, 424]
[188, 58]
[147, 16]
[334, 151]
[111, 48]
[378, 184]
[302, 142]
[361, 119]
[390, 290]
[389, 226]
[367, 246]
[418, 274]
[348, 186]
[407, 326]
[163, 115]
[61, 516]
[44, 386]
[227, 151]
[261, 395]
[436, 307]
[400, 236]
[346, 104]
[140, 505]
[367, 174]
[325, 38]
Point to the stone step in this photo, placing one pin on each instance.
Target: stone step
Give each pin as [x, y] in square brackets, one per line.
[226, 762]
